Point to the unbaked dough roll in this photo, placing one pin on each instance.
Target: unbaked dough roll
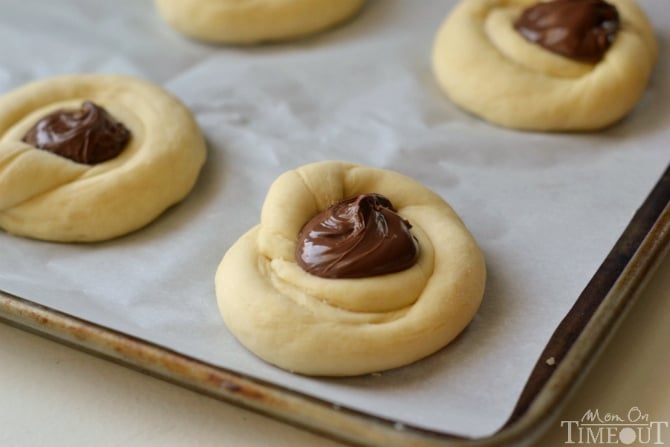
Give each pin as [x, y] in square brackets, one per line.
[488, 68]
[253, 21]
[47, 196]
[339, 327]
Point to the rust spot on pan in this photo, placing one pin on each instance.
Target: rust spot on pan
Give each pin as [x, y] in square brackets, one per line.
[232, 387]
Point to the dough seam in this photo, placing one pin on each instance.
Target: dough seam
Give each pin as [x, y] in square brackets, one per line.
[276, 279]
[38, 195]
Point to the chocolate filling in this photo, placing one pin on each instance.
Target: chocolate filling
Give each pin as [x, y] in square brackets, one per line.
[354, 238]
[578, 29]
[89, 135]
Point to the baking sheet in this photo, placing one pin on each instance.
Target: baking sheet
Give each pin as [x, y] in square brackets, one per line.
[546, 209]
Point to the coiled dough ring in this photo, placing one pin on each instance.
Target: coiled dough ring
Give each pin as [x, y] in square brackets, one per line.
[253, 21]
[46, 196]
[490, 70]
[339, 327]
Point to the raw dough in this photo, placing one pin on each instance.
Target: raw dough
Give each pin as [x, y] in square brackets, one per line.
[252, 21]
[489, 69]
[338, 327]
[46, 196]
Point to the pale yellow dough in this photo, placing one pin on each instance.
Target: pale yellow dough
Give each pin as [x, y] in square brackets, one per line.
[486, 67]
[253, 21]
[340, 327]
[46, 196]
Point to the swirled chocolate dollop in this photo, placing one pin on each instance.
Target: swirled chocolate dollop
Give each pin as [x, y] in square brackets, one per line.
[89, 135]
[578, 29]
[358, 237]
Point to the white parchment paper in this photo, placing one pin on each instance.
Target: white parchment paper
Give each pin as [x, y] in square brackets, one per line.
[546, 208]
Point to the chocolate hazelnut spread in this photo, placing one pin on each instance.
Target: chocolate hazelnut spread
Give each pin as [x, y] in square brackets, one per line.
[89, 135]
[357, 237]
[578, 29]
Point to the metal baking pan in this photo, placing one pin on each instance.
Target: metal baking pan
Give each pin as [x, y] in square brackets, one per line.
[575, 342]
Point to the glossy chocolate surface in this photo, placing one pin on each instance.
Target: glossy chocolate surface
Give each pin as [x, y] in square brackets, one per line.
[357, 237]
[582, 30]
[89, 135]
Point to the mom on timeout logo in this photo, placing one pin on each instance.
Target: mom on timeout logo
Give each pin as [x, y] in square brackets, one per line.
[599, 428]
